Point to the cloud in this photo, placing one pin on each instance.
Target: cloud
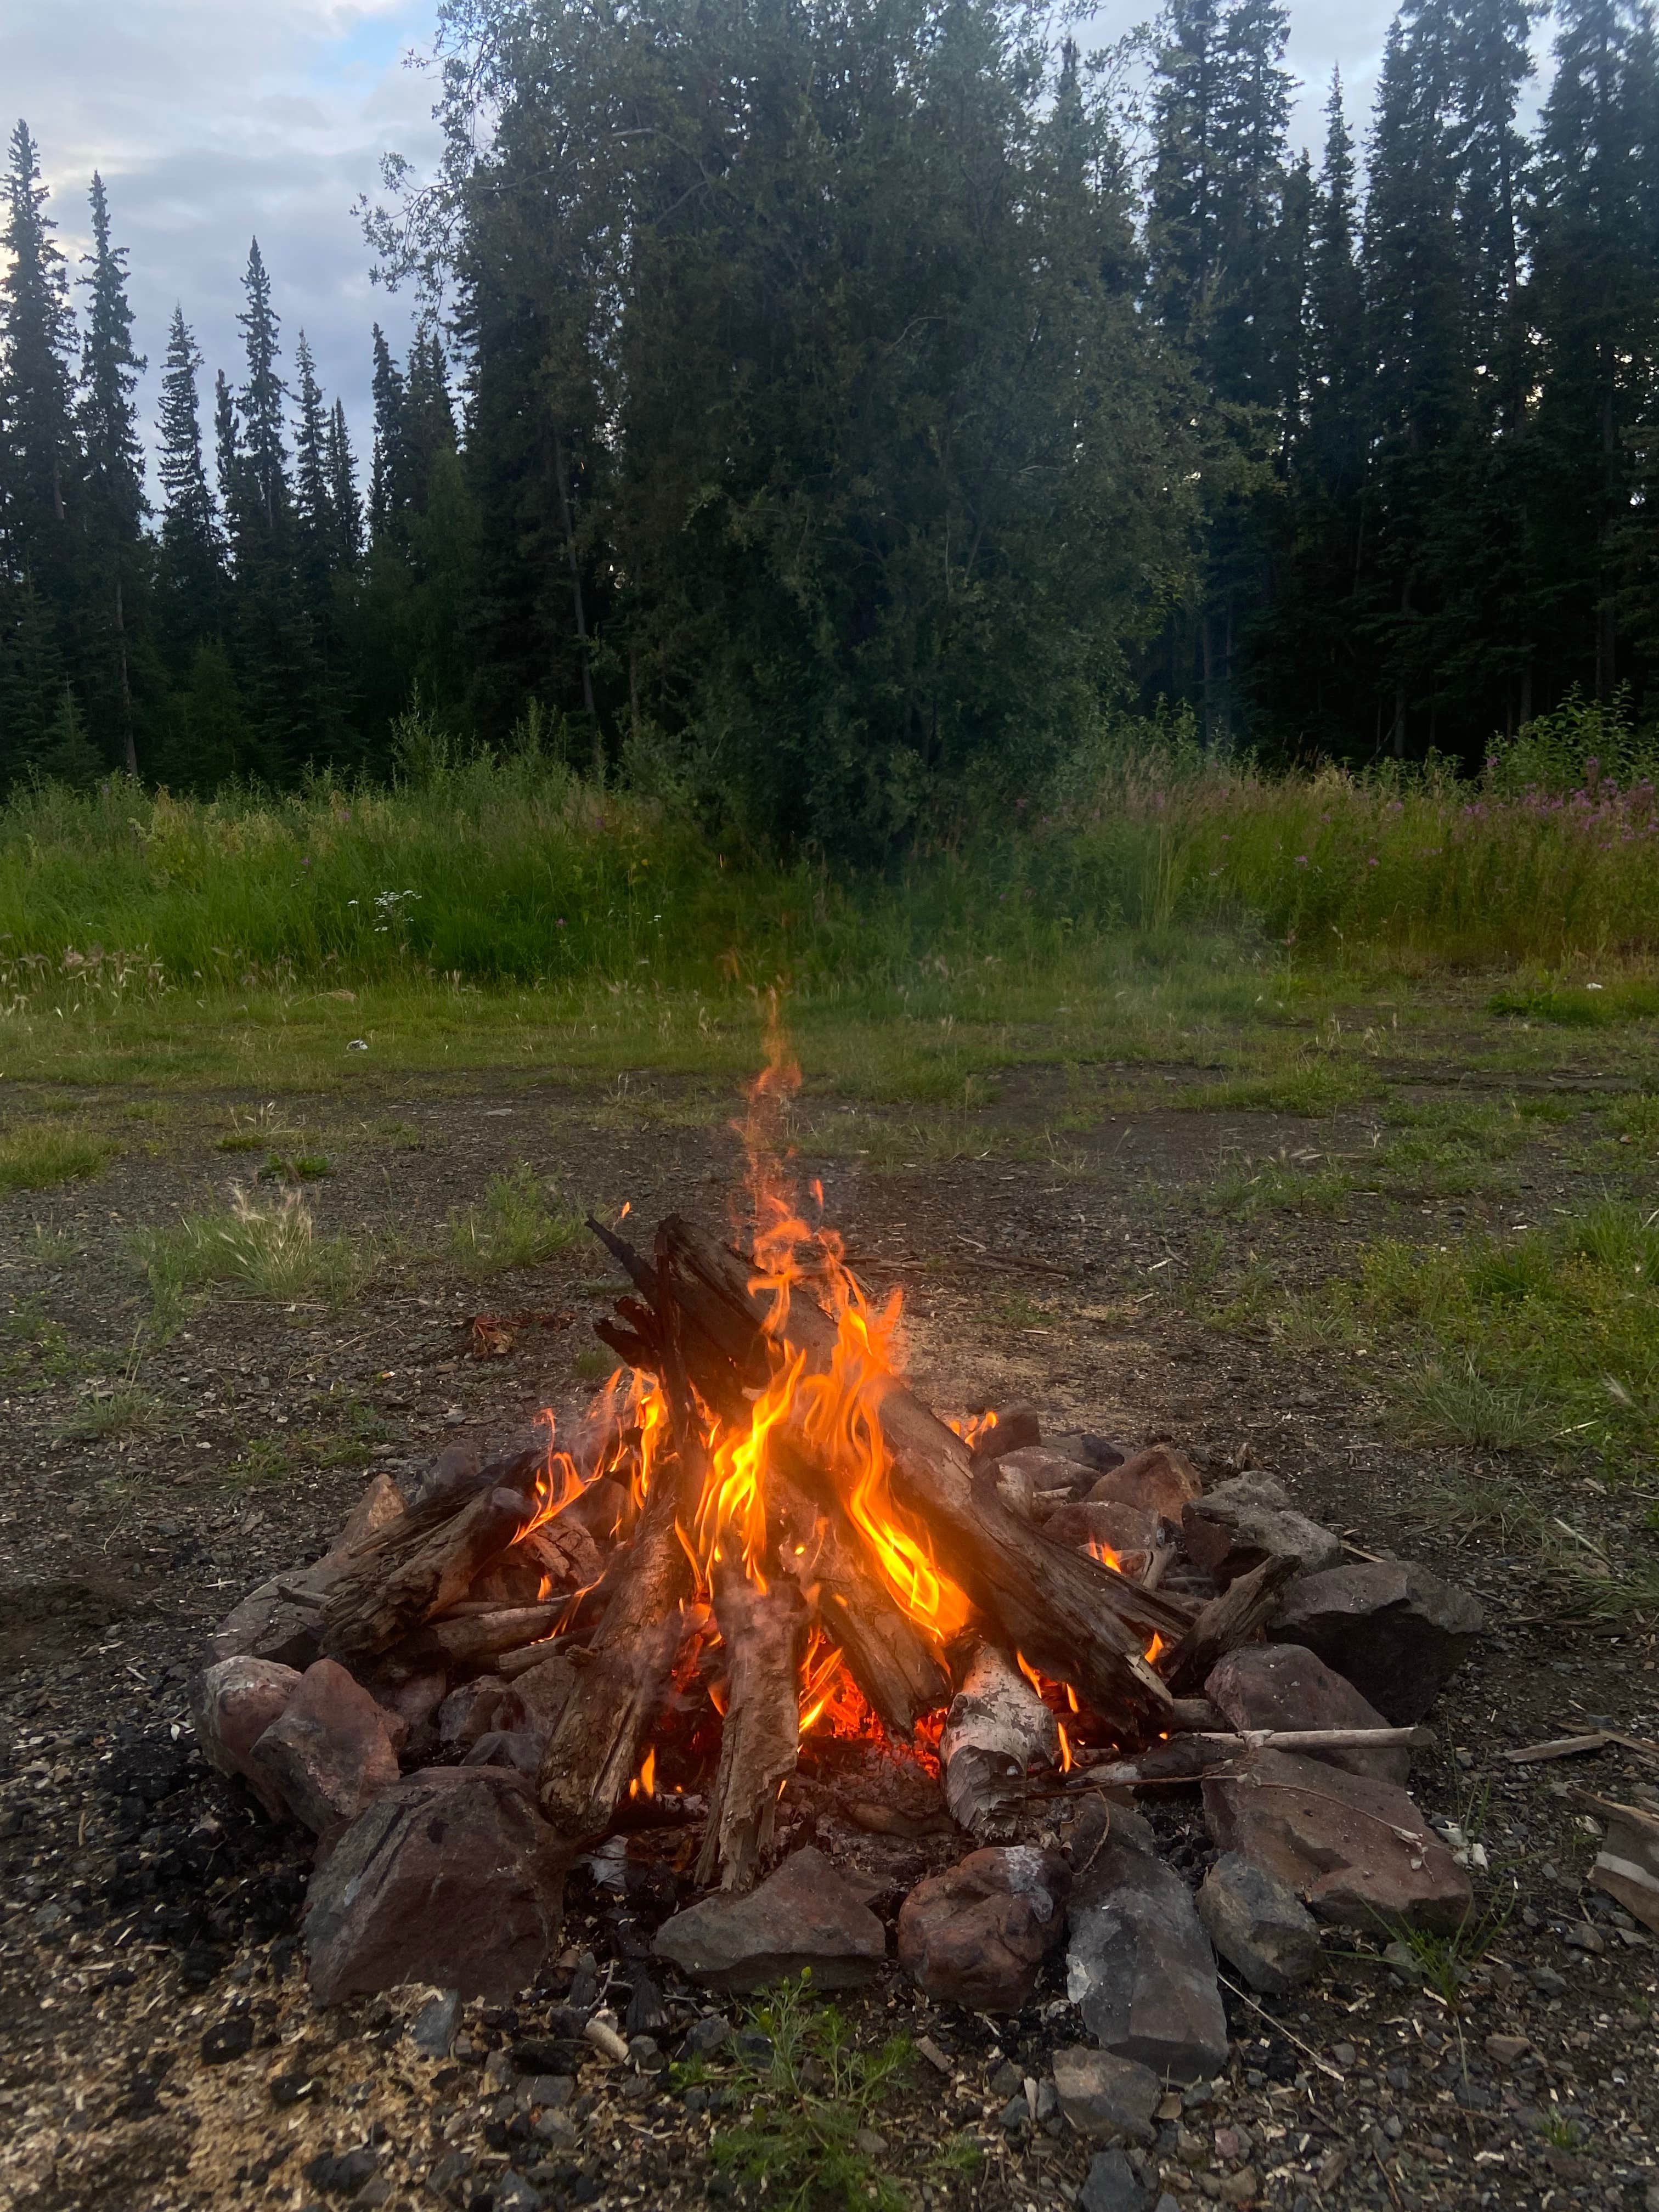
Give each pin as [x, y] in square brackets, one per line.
[212, 122]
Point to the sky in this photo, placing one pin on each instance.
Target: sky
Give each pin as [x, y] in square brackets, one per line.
[214, 121]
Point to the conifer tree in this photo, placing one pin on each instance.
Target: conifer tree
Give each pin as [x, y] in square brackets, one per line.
[259, 402]
[388, 492]
[39, 468]
[192, 550]
[112, 462]
[345, 507]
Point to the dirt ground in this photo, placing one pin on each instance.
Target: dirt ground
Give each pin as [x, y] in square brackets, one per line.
[147, 1906]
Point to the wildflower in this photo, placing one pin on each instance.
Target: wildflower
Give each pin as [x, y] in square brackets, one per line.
[1301, 859]
[559, 924]
[1372, 863]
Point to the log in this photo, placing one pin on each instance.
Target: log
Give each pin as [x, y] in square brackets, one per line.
[1243, 1608]
[897, 1667]
[764, 1635]
[475, 1639]
[425, 1560]
[602, 1734]
[997, 1728]
[1075, 1618]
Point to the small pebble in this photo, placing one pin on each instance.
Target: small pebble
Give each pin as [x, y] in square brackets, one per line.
[1344, 2054]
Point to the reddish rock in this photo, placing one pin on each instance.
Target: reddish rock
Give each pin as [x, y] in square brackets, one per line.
[1034, 1481]
[232, 1704]
[1159, 1481]
[976, 1935]
[1248, 1519]
[544, 1691]
[1127, 1531]
[807, 1914]
[1285, 1686]
[378, 1506]
[330, 1754]
[1357, 1850]
[409, 1704]
[1398, 1633]
[269, 1623]
[450, 1878]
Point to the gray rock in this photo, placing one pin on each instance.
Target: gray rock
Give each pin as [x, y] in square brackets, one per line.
[545, 1691]
[1249, 1518]
[330, 1754]
[451, 1877]
[976, 1935]
[1259, 1925]
[1110, 2185]
[807, 1914]
[1357, 1852]
[514, 1747]
[270, 1624]
[478, 1708]
[1102, 2096]
[707, 2035]
[1285, 1686]
[1139, 1964]
[1396, 1631]
[233, 1703]
[433, 2028]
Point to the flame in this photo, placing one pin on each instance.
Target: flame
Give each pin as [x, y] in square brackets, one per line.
[644, 1784]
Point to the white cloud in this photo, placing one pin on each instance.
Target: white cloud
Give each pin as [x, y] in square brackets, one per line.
[212, 122]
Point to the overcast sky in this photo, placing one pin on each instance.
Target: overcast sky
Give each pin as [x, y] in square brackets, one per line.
[215, 120]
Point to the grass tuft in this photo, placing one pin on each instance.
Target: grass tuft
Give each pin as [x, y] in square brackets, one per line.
[270, 1248]
[515, 1226]
[35, 1158]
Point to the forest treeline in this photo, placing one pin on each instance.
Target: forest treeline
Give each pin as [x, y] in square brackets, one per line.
[835, 412]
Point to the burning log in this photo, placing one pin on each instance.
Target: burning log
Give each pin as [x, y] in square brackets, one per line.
[897, 1668]
[425, 1560]
[1232, 1619]
[474, 1639]
[764, 1633]
[1075, 1617]
[997, 1727]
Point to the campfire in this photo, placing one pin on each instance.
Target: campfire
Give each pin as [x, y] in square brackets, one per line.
[762, 1558]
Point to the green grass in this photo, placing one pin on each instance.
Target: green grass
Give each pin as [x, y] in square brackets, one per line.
[268, 1248]
[798, 2141]
[1549, 1337]
[34, 1158]
[515, 1227]
[1311, 1090]
[1585, 1005]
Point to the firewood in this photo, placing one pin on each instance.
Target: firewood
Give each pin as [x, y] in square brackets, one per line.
[764, 1635]
[1074, 1618]
[894, 1664]
[424, 1562]
[997, 1728]
[1232, 1619]
[602, 1734]
[1187, 1758]
[475, 1639]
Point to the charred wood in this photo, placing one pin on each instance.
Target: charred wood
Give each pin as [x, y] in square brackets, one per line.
[996, 1730]
[764, 1634]
[1240, 1612]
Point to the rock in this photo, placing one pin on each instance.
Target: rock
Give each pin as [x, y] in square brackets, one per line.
[342, 2173]
[514, 1747]
[330, 1754]
[1548, 1983]
[1238, 2188]
[1158, 1480]
[1014, 1428]
[1103, 2096]
[1356, 1850]
[1506, 2049]
[477, 1708]
[545, 1691]
[1396, 1631]
[379, 1505]
[1110, 2185]
[227, 2038]
[268, 1624]
[805, 1914]
[707, 2035]
[1285, 1686]
[1258, 1924]
[412, 1702]
[1140, 1965]
[1028, 1480]
[433, 2028]
[233, 1703]
[1581, 1937]
[976, 1935]
[1248, 1519]
[1127, 1532]
[1627, 1865]
[451, 1877]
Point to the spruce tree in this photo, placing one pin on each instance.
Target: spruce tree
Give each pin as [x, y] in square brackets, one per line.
[259, 402]
[345, 506]
[40, 467]
[312, 493]
[192, 552]
[112, 462]
[388, 478]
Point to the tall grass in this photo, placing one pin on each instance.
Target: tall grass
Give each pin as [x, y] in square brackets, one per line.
[513, 870]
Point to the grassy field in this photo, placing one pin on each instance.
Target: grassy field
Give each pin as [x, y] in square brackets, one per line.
[294, 969]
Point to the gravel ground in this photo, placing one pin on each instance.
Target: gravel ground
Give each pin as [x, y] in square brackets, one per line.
[159, 2049]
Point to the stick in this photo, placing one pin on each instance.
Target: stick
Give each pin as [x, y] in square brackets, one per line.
[1227, 1622]
[1189, 1756]
[764, 1633]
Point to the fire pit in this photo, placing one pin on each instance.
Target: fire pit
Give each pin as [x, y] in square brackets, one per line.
[766, 1599]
